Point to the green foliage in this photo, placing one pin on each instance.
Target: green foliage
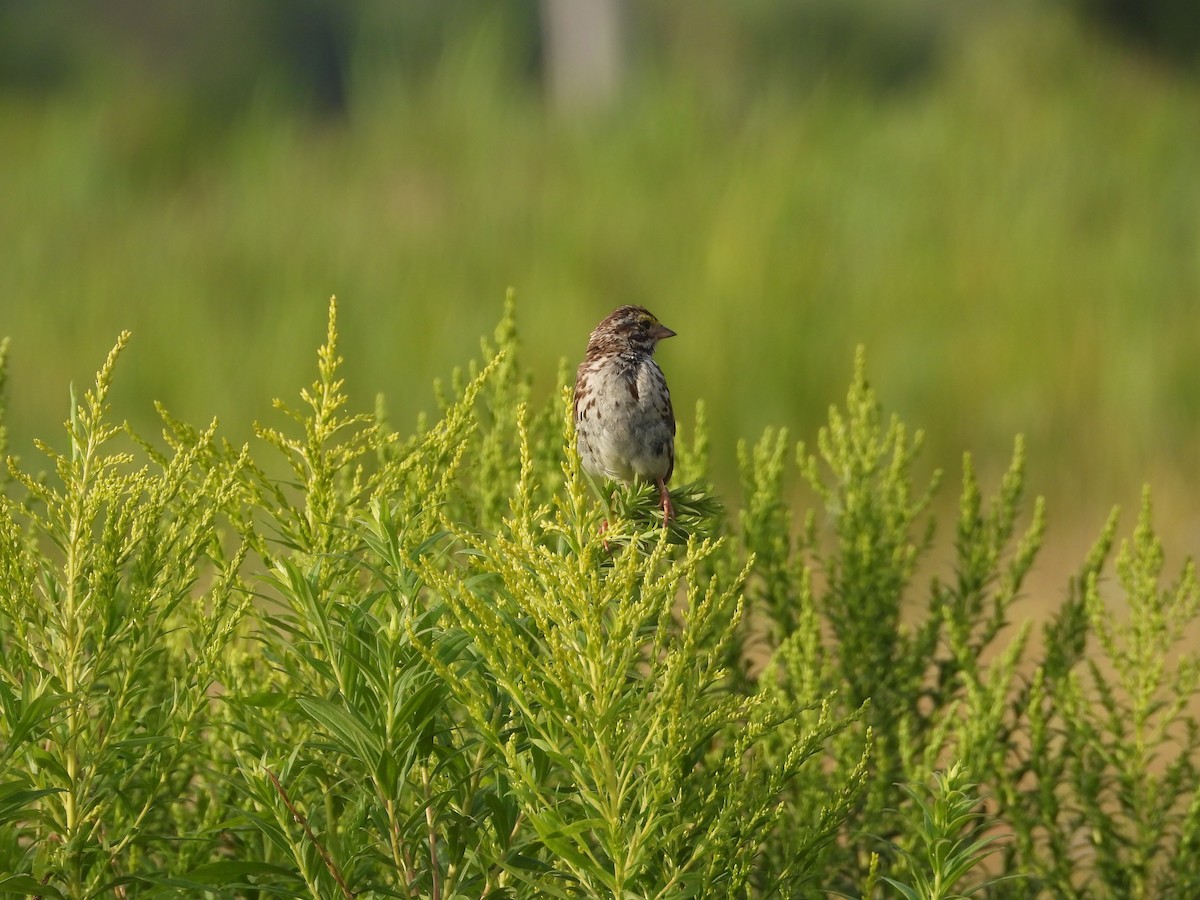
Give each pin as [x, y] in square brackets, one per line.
[109, 653]
[359, 664]
[947, 827]
[1112, 763]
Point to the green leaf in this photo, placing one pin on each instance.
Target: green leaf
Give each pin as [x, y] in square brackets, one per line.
[343, 725]
[27, 885]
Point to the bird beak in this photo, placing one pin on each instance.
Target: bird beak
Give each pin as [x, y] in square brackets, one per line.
[662, 332]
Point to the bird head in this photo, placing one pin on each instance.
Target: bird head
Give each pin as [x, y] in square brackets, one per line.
[627, 328]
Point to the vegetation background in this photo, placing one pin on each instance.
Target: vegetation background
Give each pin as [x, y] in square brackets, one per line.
[379, 665]
[999, 200]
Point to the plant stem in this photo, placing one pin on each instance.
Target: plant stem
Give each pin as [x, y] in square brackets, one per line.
[436, 886]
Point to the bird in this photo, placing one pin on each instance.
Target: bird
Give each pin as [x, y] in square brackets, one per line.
[624, 423]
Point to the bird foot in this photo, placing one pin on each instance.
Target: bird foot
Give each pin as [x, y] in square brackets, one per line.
[664, 497]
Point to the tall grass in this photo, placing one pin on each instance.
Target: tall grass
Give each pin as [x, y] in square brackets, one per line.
[417, 665]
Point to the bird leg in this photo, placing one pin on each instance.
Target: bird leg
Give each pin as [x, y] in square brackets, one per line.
[664, 497]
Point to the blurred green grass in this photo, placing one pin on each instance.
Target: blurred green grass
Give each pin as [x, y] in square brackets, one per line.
[1014, 236]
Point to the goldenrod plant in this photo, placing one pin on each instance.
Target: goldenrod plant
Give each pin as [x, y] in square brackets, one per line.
[950, 840]
[118, 609]
[349, 662]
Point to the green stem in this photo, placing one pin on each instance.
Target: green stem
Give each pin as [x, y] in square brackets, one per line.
[431, 822]
[73, 631]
